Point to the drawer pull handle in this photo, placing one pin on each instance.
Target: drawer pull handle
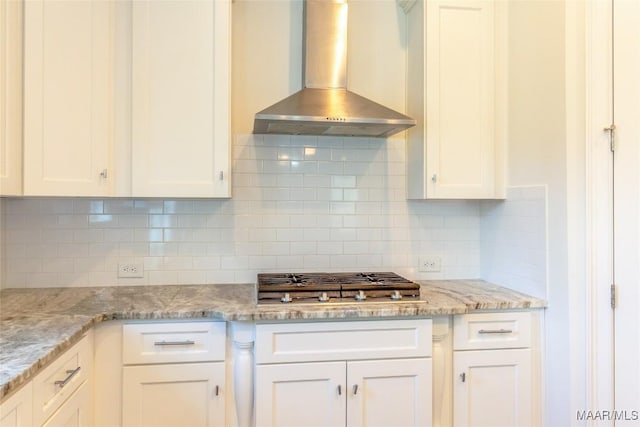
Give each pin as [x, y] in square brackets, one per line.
[70, 375]
[165, 343]
[495, 331]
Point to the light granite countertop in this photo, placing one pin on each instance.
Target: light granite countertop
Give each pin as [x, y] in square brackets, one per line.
[37, 325]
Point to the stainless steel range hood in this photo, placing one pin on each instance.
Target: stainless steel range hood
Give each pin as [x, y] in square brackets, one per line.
[325, 106]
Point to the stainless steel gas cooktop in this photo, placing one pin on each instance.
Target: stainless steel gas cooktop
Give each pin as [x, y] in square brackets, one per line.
[335, 287]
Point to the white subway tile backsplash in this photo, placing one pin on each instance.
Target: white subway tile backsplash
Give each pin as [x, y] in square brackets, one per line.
[118, 206]
[318, 262]
[513, 250]
[299, 203]
[103, 221]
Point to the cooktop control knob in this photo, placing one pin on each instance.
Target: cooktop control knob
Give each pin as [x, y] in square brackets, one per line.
[396, 295]
[286, 298]
[323, 297]
[360, 296]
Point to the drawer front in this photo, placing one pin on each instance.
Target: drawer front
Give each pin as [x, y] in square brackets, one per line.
[480, 331]
[345, 340]
[173, 342]
[53, 386]
[77, 411]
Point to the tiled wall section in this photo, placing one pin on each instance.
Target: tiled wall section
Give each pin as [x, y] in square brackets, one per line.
[299, 204]
[514, 240]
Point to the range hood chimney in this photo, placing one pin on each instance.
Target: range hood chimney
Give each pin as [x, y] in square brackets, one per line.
[324, 106]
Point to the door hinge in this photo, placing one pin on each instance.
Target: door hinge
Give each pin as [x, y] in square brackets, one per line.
[612, 139]
[613, 295]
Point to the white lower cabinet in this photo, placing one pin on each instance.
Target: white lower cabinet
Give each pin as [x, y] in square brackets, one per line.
[173, 374]
[395, 392]
[301, 394]
[375, 373]
[493, 388]
[391, 392]
[60, 395]
[76, 411]
[493, 385]
[17, 410]
[173, 395]
[62, 392]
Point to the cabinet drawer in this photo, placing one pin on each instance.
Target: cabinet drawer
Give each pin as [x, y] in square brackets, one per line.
[75, 412]
[173, 342]
[306, 342]
[60, 379]
[479, 331]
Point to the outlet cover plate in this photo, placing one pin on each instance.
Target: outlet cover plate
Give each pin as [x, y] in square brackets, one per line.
[429, 264]
[130, 269]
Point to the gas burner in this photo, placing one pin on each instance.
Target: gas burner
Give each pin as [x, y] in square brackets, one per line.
[335, 288]
[371, 277]
[296, 279]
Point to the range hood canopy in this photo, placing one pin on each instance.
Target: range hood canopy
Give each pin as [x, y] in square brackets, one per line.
[325, 106]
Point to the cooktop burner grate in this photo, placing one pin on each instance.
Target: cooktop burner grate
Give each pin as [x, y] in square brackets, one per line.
[334, 287]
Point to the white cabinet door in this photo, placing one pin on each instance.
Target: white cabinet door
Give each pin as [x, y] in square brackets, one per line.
[189, 394]
[492, 388]
[76, 411]
[11, 97]
[181, 98]
[457, 94]
[68, 97]
[301, 394]
[389, 393]
[56, 383]
[16, 411]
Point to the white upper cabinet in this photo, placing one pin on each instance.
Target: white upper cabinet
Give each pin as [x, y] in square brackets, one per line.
[457, 93]
[68, 97]
[121, 98]
[10, 97]
[180, 98]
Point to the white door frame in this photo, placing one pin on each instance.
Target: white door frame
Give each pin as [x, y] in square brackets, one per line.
[589, 186]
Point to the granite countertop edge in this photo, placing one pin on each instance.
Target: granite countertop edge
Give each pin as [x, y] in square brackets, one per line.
[39, 324]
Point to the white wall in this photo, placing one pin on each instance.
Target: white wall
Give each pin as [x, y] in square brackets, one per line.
[537, 156]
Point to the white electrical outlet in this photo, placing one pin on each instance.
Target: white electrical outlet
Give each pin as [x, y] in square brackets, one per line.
[429, 264]
[130, 269]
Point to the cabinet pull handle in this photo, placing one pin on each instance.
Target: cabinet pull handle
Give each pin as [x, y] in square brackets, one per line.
[612, 139]
[495, 331]
[165, 343]
[217, 390]
[221, 175]
[103, 174]
[339, 390]
[70, 374]
[434, 177]
[463, 377]
[355, 389]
